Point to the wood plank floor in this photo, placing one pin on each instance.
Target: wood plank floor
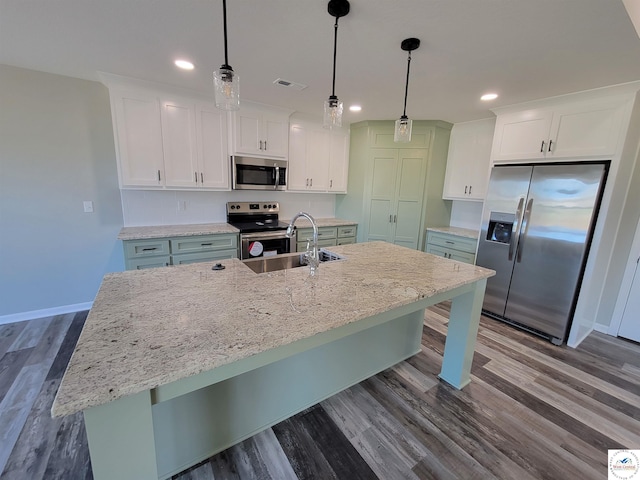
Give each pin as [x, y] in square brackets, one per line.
[532, 411]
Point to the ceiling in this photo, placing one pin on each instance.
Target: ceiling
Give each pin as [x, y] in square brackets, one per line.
[521, 49]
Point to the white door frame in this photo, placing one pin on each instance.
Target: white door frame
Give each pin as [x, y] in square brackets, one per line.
[625, 287]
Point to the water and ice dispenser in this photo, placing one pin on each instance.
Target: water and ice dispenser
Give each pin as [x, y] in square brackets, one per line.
[500, 227]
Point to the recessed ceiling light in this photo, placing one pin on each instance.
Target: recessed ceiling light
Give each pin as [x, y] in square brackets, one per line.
[184, 64]
[355, 108]
[489, 96]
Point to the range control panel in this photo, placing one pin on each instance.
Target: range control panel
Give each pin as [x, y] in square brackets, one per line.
[253, 207]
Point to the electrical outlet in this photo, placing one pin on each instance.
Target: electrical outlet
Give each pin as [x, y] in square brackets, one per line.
[182, 205]
[88, 206]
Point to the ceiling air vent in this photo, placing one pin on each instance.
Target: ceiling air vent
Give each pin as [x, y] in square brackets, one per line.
[286, 83]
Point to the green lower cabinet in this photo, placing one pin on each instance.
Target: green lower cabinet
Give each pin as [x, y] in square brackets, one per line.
[455, 247]
[327, 236]
[162, 252]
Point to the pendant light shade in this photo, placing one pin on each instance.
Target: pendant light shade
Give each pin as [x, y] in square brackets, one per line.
[332, 106]
[226, 82]
[402, 133]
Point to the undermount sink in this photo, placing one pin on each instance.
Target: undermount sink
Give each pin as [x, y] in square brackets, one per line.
[287, 260]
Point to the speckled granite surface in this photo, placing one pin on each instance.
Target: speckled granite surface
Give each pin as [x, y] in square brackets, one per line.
[152, 327]
[462, 232]
[321, 222]
[160, 231]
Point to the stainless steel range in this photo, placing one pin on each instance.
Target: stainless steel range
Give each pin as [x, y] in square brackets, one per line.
[262, 234]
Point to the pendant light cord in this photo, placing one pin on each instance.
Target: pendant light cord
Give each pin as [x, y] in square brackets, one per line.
[406, 88]
[224, 17]
[335, 47]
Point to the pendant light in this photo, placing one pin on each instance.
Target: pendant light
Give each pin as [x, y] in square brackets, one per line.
[332, 106]
[403, 124]
[225, 81]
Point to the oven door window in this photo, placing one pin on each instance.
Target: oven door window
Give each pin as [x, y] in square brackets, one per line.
[254, 246]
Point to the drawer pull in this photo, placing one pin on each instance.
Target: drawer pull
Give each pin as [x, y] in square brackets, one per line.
[206, 244]
[450, 242]
[149, 249]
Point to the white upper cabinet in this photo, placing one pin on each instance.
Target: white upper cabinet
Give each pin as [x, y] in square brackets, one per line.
[586, 129]
[259, 130]
[136, 123]
[169, 141]
[468, 161]
[318, 158]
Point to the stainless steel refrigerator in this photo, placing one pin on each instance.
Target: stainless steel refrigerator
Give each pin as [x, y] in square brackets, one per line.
[537, 226]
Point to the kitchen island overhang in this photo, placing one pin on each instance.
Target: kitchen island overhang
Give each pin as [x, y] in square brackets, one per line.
[175, 364]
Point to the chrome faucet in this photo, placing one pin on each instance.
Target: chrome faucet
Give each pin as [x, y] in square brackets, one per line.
[312, 256]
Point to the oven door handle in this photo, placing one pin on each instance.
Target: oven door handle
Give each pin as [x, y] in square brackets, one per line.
[264, 235]
[275, 185]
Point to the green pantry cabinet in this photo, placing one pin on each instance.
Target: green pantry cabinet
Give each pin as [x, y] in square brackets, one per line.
[395, 189]
[162, 252]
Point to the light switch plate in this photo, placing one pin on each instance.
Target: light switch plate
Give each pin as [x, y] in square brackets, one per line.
[88, 206]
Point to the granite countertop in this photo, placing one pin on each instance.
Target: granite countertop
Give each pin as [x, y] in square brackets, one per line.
[152, 327]
[461, 232]
[160, 231]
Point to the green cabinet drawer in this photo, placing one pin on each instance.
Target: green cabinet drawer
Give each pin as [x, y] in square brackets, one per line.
[451, 254]
[349, 231]
[185, 258]
[454, 242]
[323, 232]
[346, 240]
[146, 248]
[203, 243]
[152, 262]
[325, 242]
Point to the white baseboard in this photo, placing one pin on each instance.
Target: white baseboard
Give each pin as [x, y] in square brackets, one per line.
[46, 312]
[601, 328]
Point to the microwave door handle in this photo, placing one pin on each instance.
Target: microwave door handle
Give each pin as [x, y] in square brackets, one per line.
[515, 230]
[524, 229]
[275, 185]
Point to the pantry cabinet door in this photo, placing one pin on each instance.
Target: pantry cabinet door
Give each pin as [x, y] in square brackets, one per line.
[384, 164]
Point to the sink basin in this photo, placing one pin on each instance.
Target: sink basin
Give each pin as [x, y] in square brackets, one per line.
[286, 260]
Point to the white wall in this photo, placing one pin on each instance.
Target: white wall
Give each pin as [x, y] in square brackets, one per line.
[154, 207]
[56, 151]
[466, 214]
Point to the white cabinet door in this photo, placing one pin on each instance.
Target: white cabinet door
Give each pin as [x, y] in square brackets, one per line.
[469, 160]
[139, 138]
[179, 143]
[630, 324]
[213, 159]
[339, 162]
[298, 179]
[521, 136]
[586, 129]
[318, 152]
[260, 131]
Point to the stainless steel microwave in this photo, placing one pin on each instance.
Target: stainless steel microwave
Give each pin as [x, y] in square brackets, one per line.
[249, 173]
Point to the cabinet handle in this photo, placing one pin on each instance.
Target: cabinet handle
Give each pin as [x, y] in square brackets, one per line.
[465, 189]
[395, 219]
[449, 242]
[470, 189]
[195, 174]
[149, 249]
[265, 144]
[390, 218]
[206, 244]
[260, 147]
[307, 183]
[550, 142]
[201, 178]
[330, 183]
[542, 146]
[311, 182]
[158, 175]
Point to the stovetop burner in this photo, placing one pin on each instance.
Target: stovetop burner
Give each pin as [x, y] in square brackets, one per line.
[255, 216]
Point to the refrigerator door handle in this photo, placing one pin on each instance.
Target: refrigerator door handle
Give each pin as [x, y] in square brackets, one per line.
[525, 229]
[515, 228]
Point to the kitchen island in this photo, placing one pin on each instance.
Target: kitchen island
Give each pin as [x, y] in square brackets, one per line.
[175, 364]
